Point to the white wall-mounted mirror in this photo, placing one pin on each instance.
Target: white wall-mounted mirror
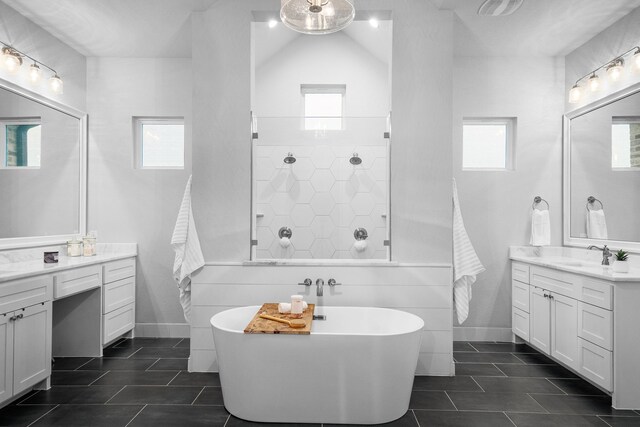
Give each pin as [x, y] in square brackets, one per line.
[321, 145]
[602, 172]
[42, 169]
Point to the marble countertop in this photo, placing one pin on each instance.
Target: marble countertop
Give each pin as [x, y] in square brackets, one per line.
[573, 260]
[17, 265]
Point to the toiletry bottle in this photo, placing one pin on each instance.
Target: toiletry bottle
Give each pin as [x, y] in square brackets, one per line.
[296, 306]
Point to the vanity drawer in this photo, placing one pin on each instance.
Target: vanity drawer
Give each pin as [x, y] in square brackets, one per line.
[520, 295]
[77, 280]
[555, 281]
[520, 323]
[595, 325]
[520, 272]
[17, 294]
[118, 270]
[118, 322]
[118, 294]
[596, 364]
[596, 292]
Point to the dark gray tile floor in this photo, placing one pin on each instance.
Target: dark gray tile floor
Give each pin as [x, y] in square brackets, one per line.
[143, 382]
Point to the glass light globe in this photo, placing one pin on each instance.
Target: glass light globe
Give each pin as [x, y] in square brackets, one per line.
[575, 94]
[11, 59]
[594, 83]
[614, 70]
[35, 73]
[317, 16]
[636, 59]
[56, 84]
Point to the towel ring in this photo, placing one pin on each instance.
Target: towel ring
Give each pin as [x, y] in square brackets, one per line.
[537, 200]
[591, 200]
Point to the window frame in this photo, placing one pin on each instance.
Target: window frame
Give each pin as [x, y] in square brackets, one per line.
[323, 89]
[138, 140]
[8, 121]
[510, 124]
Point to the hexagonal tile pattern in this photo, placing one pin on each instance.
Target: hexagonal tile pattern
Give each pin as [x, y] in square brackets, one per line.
[322, 180]
[362, 181]
[302, 192]
[342, 215]
[342, 170]
[263, 169]
[264, 191]
[282, 204]
[379, 169]
[277, 251]
[265, 237]
[322, 227]
[322, 249]
[267, 213]
[282, 180]
[303, 238]
[322, 157]
[342, 238]
[302, 169]
[302, 215]
[322, 203]
[362, 203]
[343, 191]
[302, 255]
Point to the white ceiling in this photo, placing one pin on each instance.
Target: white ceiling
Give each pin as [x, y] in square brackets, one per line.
[162, 28]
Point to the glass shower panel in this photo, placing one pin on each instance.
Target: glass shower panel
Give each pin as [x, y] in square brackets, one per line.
[320, 194]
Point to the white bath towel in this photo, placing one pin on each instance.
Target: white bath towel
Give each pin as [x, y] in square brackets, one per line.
[466, 264]
[540, 228]
[596, 224]
[186, 245]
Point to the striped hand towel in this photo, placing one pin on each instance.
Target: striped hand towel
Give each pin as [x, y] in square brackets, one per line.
[466, 264]
[186, 245]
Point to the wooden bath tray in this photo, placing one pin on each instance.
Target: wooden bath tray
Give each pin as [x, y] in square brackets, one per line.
[259, 325]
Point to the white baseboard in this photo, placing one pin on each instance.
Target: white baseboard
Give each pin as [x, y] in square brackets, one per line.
[162, 330]
[463, 333]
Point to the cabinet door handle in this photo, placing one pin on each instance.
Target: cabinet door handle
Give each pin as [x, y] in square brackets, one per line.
[12, 319]
[19, 316]
[550, 296]
[546, 295]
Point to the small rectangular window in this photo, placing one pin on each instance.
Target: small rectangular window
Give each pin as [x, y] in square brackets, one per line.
[323, 106]
[159, 142]
[20, 143]
[625, 143]
[488, 143]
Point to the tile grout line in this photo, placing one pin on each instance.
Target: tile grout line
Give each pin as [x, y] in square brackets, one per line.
[152, 365]
[134, 417]
[43, 415]
[90, 360]
[117, 393]
[227, 420]
[93, 382]
[449, 397]
[201, 391]
[474, 380]
[415, 417]
[176, 376]
[503, 373]
[556, 386]
[129, 356]
[471, 345]
[509, 418]
[538, 403]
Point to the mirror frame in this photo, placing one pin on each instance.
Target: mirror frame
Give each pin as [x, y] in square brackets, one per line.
[568, 240]
[36, 241]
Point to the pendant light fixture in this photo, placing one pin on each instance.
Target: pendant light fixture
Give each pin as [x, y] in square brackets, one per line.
[317, 16]
[12, 59]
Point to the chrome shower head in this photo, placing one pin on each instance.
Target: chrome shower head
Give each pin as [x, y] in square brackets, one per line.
[289, 159]
[355, 160]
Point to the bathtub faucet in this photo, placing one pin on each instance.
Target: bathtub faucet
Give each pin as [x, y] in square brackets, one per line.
[319, 286]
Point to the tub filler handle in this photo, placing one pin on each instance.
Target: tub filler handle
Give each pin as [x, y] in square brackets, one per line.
[307, 282]
[332, 283]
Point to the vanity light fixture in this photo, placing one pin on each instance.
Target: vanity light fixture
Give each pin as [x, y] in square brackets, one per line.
[272, 23]
[374, 22]
[12, 60]
[317, 16]
[613, 68]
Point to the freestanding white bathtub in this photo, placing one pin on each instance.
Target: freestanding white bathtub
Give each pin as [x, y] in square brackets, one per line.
[356, 367]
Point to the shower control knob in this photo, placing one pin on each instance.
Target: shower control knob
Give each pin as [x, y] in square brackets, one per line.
[332, 282]
[307, 282]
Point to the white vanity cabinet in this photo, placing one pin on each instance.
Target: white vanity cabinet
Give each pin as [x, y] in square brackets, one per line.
[118, 298]
[25, 334]
[571, 319]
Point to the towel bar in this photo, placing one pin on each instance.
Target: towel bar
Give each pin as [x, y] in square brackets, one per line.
[537, 200]
[591, 200]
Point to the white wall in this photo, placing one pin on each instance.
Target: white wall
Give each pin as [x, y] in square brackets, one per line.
[496, 206]
[134, 205]
[31, 39]
[615, 40]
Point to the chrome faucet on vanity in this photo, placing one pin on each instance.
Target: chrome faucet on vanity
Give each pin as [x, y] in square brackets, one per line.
[606, 253]
[319, 287]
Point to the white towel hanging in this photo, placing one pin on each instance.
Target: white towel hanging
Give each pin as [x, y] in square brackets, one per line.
[466, 264]
[540, 228]
[186, 246]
